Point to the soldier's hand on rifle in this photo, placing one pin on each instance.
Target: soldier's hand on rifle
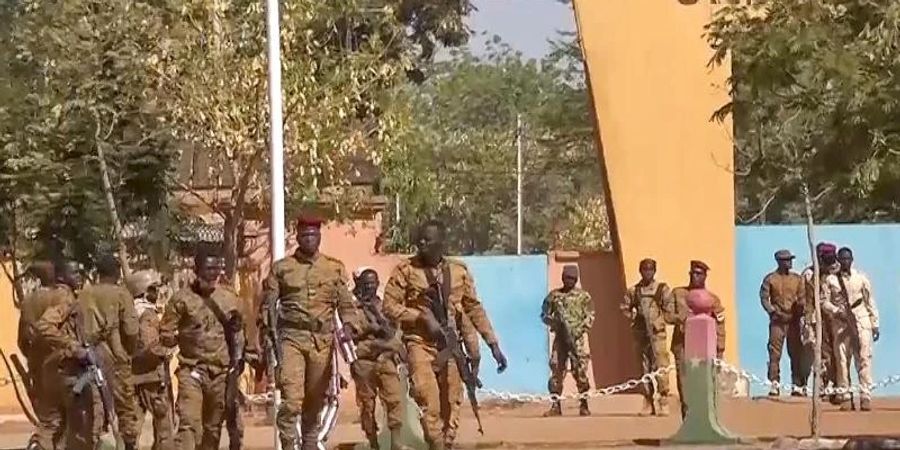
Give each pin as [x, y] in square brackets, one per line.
[499, 357]
[876, 334]
[433, 326]
[81, 355]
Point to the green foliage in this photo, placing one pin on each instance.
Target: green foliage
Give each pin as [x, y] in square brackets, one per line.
[815, 98]
[458, 161]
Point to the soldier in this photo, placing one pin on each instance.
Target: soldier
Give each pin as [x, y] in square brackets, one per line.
[644, 306]
[47, 407]
[306, 287]
[113, 307]
[419, 284]
[67, 326]
[782, 295]
[827, 256]
[198, 319]
[854, 319]
[678, 313]
[151, 361]
[569, 313]
[376, 372]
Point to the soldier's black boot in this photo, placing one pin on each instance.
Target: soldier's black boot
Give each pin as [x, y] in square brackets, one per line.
[554, 411]
[583, 409]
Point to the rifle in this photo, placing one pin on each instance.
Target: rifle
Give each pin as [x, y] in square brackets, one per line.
[643, 316]
[452, 346]
[94, 374]
[233, 396]
[26, 381]
[170, 390]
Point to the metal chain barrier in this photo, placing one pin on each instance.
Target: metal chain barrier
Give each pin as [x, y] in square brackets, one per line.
[267, 398]
[724, 366]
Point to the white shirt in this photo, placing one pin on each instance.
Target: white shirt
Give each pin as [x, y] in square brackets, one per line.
[859, 290]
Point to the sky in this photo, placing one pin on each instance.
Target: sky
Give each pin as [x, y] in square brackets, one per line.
[525, 25]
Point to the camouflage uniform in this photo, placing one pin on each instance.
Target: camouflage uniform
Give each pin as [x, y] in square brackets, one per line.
[113, 307]
[677, 314]
[829, 371]
[309, 290]
[405, 300]
[470, 339]
[46, 398]
[191, 322]
[149, 376]
[376, 374]
[575, 310]
[782, 296]
[83, 412]
[644, 306]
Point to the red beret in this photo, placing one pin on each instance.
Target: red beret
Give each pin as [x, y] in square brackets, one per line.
[309, 220]
[825, 248]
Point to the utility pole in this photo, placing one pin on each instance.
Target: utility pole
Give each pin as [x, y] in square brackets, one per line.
[276, 148]
[519, 213]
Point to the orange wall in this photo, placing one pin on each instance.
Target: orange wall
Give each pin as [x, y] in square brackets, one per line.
[10, 315]
[667, 166]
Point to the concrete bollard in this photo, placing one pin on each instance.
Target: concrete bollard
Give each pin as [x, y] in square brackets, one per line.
[701, 426]
[411, 432]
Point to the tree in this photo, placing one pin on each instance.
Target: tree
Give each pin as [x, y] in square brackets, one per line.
[84, 65]
[458, 161]
[815, 100]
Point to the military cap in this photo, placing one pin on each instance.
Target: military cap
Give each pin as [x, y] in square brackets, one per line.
[570, 270]
[699, 265]
[783, 255]
[309, 220]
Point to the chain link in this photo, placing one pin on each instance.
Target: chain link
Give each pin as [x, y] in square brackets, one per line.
[268, 398]
[724, 366]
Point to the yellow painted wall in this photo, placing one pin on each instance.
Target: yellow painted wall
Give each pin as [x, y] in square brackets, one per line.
[667, 166]
[10, 317]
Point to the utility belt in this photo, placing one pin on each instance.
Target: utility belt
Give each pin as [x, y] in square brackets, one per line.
[313, 325]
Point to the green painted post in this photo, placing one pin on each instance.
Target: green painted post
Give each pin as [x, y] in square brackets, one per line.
[411, 431]
[701, 426]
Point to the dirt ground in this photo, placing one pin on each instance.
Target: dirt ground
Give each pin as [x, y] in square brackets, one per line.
[615, 424]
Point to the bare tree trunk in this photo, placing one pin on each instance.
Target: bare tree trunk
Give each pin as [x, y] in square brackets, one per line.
[113, 211]
[817, 358]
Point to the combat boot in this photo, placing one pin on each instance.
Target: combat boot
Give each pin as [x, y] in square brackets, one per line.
[865, 404]
[583, 409]
[554, 411]
[663, 410]
[648, 408]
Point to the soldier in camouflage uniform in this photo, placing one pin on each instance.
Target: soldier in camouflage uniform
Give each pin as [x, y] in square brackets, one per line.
[644, 306]
[113, 307]
[408, 301]
[569, 313]
[150, 364]
[677, 314]
[828, 265]
[48, 408]
[782, 295]
[376, 372]
[307, 286]
[197, 319]
[83, 412]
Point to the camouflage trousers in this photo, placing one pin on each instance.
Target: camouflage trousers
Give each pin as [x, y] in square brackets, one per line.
[303, 377]
[48, 404]
[85, 419]
[438, 394]
[154, 398]
[201, 407]
[577, 360]
[678, 351]
[653, 355]
[234, 424]
[373, 379]
[126, 403]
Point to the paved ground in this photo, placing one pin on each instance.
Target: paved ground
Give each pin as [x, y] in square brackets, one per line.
[614, 425]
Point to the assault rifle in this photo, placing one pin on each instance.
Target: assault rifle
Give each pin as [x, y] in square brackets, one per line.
[451, 345]
[93, 374]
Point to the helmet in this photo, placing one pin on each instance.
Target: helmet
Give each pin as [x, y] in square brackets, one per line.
[139, 282]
